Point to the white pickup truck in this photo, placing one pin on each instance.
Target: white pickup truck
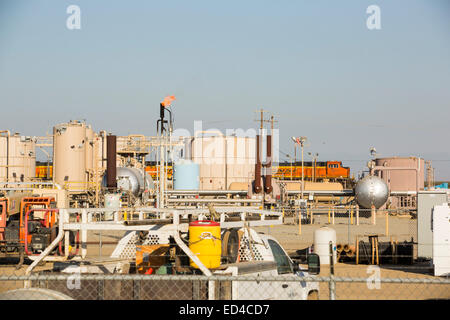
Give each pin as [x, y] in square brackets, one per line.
[268, 259]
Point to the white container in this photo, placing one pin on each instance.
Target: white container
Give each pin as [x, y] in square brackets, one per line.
[322, 238]
[112, 201]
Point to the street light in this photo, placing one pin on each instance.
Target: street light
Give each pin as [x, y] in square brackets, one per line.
[315, 160]
[291, 163]
[301, 141]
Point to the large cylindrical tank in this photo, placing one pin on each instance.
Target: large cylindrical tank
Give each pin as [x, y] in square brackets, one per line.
[371, 191]
[402, 180]
[90, 140]
[205, 243]
[186, 175]
[131, 180]
[224, 160]
[17, 158]
[69, 155]
[322, 238]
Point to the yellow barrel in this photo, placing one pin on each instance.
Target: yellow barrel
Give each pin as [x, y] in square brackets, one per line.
[205, 243]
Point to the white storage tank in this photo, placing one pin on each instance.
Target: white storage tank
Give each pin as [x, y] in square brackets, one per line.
[17, 157]
[186, 175]
[112, 201]
[223, 159]
[322, 238]
[69, 155]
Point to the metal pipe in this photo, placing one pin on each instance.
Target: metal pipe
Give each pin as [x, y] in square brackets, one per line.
[214, 200]
[268, 178]
[111, 164]
[49, 249]
[258, 187]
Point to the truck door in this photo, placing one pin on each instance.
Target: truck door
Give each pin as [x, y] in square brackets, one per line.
[286, 290]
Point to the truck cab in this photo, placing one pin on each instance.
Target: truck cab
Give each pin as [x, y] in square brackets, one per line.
[261, 255]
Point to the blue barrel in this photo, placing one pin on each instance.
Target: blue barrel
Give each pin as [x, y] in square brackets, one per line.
[186, 175]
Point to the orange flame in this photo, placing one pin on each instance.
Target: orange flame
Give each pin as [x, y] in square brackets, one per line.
[167, 101]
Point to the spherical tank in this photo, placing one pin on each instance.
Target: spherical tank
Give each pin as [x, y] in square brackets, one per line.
[371, 191]
[186, 175]
[322, 238]
[69, 154]
[131, 180]
[17, 158]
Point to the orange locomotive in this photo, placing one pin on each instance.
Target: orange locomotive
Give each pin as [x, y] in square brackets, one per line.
[332, 170]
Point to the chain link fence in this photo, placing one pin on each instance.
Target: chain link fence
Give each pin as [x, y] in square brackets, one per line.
[193, 287]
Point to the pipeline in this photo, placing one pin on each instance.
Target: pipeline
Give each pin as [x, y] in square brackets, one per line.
[268, 178]
[111, 164]
[258, 187]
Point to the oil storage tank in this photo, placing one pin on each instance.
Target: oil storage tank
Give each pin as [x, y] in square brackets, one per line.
[223, 159]
[69, 155]
[186, 175]
[17, 158]
[402, 180]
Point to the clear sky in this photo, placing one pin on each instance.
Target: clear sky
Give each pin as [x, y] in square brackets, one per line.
[314, 64]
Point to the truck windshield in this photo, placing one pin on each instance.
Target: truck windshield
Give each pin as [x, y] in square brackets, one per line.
[282, 260]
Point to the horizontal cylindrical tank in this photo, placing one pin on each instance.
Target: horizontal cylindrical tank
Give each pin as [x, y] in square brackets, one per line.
[371, 191]
[322, 238]
[313, 186]
[17, 158]
[131, 180]
[186, 175]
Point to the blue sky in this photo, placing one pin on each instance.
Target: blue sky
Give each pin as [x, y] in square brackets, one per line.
[313, 64]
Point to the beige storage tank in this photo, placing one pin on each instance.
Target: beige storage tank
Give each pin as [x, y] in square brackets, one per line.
[90, 137]
[402, 180]
[69, 155]
[224, 160]
[17, 157]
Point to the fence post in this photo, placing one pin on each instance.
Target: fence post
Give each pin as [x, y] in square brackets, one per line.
[332, 283]
[84, 219]
[300, 221]
[357, 215]
[374, 215]
[387, 222]
[329, 215]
